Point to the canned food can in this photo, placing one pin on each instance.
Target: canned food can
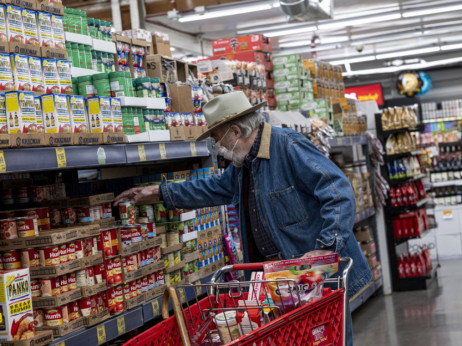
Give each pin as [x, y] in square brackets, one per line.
[151, 281]
[144, 284]
[85, 306]
[55, 217]
[39, 318]
[95, 213]
[60, 190]
[11, 260]
[119, 298]
[54, 317]
[173, 239]
[126, 236]
[74, 311]
[7, 214]
[8, 229]
[107, 210]
[50, 256]
[30, 258]
[110, 298]
[71, 252]
[160, 280]
[51, 192]
[139, 287]
[72, 281]
[117, 270]
[64, 284]
[132, 263]
[63, 258]
[133, 290]
[94, 304]
[127, 213]
[98, 274]
[27, 226]
[43, 219]
[109, 272]
[160, 213]
[65, 313]
[90, 276]
[88, 247]
[149, 229]
[50, 287]
[147, 211]
[102, 301]
[114, 242]
[79, 248]
[136, 234]
[107, 244]
[35, 288]
[37, 194]
[81, 278]
[68, 216]
[94, 249]
[22, 195]
[83, 214]
[127, 293]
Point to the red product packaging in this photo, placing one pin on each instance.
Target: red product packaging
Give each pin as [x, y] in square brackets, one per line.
[63, 257]
[106, 241]
[74, 311]
[79, 248]
[72, 281]
[64, 284]
[117, 270]
[114, 242]
[144, 284]
[71, 252]
[119, 298]
[111, 303]
[85, 306]
[133, 290]
[160, 278]
[30, 258]
[98, 274]
[139, 287]
[127, 293]
[50, 256]
[241, 44]
[126, 236]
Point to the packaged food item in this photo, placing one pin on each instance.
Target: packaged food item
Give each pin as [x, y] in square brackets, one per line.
[64, 77]
[57, 30]
[79, 124]
[14, 24]
[44, 29]
[54, 317]
[50, 76]
[39, 115]
[3, 117]
[227, 325]
[21, 72]
[29, 18]
[11, 260]
[20, 110]
[17, 318]
[305, 279]
[6, 73]
[3, 33]
[116, 111]
[56, 113]
[36, 74]
[99, 114]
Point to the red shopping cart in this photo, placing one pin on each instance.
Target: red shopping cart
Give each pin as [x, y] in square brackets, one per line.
[319, 323]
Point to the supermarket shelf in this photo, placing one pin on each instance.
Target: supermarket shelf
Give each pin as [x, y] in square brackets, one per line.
[78, 72]
[448, 144]
[423, 235]
[393, 182]
[105, 331]
[447, 183]
[347, 141]
[77, 38]
[417, 282]
[402, 129]
[365, 294]
[165, 151]
[155, 103]
[411, 207]
[104, 46]
[400, 155]
[150, 103]
[427, 121]
[364, 214]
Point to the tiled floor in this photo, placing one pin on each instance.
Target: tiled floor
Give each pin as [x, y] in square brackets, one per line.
[422, 318]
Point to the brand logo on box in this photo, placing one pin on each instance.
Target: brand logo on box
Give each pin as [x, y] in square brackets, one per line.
[320, 335]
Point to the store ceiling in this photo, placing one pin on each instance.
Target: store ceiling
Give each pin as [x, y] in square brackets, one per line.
[383, 35]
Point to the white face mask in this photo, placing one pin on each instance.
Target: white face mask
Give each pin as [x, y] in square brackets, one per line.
[223, 151]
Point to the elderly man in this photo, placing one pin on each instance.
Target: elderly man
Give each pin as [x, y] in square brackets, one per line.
[292, 200]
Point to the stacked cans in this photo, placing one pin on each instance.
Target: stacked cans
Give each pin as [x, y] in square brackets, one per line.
[19, 227]
[53, 286]
[92, 305]
[33, 194]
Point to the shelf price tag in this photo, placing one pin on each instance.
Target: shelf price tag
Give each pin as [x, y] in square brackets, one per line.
[121, 325]
[193, 148]
[141, 152]
[61, 157]
[163, 152]
[155, 308]
[101, 334]
[2, 162]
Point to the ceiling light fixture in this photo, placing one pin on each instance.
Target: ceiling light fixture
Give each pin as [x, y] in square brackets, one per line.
[452, 46]
[353, 60]
[290, 31]
[430, 11]
[228, 12]
[360, 21]
[408, 52]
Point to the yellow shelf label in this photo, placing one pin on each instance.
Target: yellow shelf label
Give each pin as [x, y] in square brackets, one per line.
[163, 152]
[141, 152]
[155, 308]
[61, 157]
[101, 333]
[2, 162]
[193, 148]
[121, 325]
[62, 343]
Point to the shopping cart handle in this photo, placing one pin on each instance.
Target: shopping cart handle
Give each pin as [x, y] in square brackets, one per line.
[248, 266]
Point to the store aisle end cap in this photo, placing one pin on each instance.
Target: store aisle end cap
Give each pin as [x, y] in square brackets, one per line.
[225, 108]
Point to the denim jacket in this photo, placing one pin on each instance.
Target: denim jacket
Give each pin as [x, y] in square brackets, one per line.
[306, 203]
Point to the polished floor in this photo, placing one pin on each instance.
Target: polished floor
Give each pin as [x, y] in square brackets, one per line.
[424, 318]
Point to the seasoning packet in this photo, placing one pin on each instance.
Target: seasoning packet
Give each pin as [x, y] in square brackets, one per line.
[21, 72]
[44, 29]
[29, 18]
[14, 24]
[3, 34]
[36, 74]
[305, 279]
[57, 29]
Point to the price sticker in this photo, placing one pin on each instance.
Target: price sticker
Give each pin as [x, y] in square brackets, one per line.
[61, 157]
[182, 296]
[101, 333]
[141, 152]
[155, 308]
[62, 343]
[447, 214]
[163, 152]
[193, 148]
[121, 325]
[2, 162]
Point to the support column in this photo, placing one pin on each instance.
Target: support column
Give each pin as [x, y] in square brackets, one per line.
[116, 15]
[134, 14]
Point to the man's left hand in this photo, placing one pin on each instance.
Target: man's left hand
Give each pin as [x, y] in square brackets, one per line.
[317, 253]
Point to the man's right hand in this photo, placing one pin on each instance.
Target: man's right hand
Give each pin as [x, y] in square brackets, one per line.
[137, 194]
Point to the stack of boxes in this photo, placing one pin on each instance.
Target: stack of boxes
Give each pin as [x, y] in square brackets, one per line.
[366, 242]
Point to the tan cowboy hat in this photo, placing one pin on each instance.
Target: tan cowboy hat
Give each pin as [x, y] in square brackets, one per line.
[225, 108]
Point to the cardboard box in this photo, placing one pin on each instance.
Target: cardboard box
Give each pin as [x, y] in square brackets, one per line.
[51, 302]
[182, 70]
[51, 271]
[189, 257]
[262, 58]
[176, 267]
[192, 68]
[286, 59]
[92, 320]
[27, 140]
[369, 248]
[41, 338]
[56, 114]
[372, 260]
[20, 110]
[177, 133]
[91, 261]
[53, 53]
[173, 248]
[78, 114]
[88, 139]
[66, 328]
[89, 291]
[364, 235]
[91, 201]
[241, 44]
[15, 303]
[50, 7]
[134, 302]
[161, 46]
[59, 139]
[181, 98]
[158, 66]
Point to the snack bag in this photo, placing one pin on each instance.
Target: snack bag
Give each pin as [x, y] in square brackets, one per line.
[305, 279]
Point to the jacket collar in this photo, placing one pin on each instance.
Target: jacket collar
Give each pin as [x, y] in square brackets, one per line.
[264, 152]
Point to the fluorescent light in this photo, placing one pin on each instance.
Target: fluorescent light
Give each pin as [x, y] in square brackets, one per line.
[360, 21]
[434, 10]
[228, 12]
[353, 60]
[172, 49]
[408, 52]
[290, 31]
[452, 46]
[355, 14]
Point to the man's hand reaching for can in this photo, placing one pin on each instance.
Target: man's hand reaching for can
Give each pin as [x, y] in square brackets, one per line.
[137, 194]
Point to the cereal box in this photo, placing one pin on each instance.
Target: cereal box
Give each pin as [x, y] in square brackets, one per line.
[21, 72]
[29, 19]
[44, 29]
[77, 113]
[20, 110]
[116, 110]
[64, 77]
[56, 113]
[16, 316]
[99, 114]
[57, 29]
[39, 115]
[6, 75]
[3, 118]
[50, 76]
[14, 24]
[3, 33]
[36, 74]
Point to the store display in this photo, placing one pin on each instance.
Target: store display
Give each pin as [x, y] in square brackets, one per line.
[398, 117]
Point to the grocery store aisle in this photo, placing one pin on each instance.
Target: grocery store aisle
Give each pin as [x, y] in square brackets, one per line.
[426, 318]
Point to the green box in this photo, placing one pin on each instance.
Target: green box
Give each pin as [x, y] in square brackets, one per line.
[286, 59]
[283, 108]
[288, 71]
